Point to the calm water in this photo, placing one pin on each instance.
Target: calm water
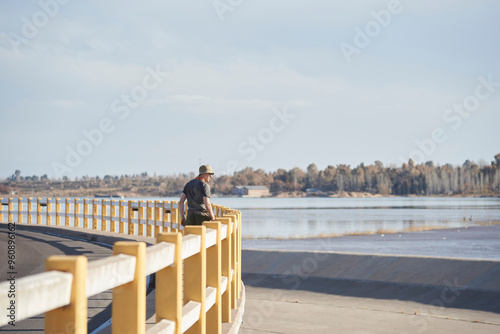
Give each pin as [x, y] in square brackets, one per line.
[311, 217]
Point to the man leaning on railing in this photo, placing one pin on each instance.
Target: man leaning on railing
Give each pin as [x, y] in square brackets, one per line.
[197, 193]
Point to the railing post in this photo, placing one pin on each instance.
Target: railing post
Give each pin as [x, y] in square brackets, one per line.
[38, 211]
[1, 209]
[85, 213]
[166, 217]
[30, 210]
[76, 219]
[140, 216]
[49, 209]
[150, 216]
[129, 300]
[95, 211]
[104, 213]
[234, 289]
[19, 210]
[131, 225]
[58, 212]
[73, 317]
[158, 217]
[237, 216]
[174, 215]
[195, 279]
[112, 214]
[169, 284]
[121, 225]
[239, 254]
[67, 211]
[11, 210]
[226, 270]
[214, 315]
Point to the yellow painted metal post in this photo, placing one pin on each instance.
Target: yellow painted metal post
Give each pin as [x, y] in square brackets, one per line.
[67, 211]
[49, 211]
[85, 213]
[30, 210]
[76, 219]
[158, 217]
[226, 269]
[237, 250]
[214, 315]
[234, 246]
[166, 217]
[195, 279]
[169, 284]
[121, 227]
[58, 212]
[19, 210]
[238, 254]
[95, 213]
[11, 210]
[104, 214]
[129, 300]
[112, 215]
[131, 225]
[73, 317]
[1, 209]
[38, 211]
[150, 216]
[174, 216]
[140, 214]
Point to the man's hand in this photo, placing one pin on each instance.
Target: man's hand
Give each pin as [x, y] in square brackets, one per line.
[183, 221]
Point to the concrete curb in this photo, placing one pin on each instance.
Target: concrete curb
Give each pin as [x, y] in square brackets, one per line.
[237, 315]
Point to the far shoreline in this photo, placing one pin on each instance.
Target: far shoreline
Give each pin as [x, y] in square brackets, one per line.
[97, 193]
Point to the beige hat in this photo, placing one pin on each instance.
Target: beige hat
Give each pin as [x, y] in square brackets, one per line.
[206, 169]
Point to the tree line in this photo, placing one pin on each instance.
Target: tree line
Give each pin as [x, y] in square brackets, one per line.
[409, 179]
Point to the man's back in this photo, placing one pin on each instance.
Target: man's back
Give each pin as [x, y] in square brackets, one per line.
[195, 190]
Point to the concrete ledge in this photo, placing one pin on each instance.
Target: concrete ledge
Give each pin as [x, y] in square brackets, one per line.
[472, 274]
[464, 284]
[237, 315]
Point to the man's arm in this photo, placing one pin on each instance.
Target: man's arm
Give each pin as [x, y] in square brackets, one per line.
[206, 201]
[181, 209]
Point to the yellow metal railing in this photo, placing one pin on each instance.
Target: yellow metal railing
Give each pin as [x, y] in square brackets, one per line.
[198, 274]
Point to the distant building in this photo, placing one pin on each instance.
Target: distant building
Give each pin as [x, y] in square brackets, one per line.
[250, 191]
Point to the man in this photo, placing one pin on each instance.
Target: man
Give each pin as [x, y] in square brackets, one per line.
[197, 193]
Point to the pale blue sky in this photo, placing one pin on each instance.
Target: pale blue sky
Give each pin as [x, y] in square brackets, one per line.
[69, 67]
